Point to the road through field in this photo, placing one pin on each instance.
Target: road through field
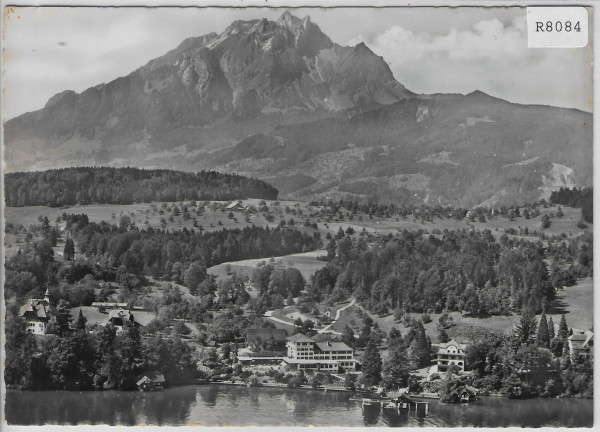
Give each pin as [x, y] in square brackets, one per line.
[326, 329]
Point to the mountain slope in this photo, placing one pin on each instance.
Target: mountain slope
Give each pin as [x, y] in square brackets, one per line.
[466, 150]
[280, 101]
[254, 68]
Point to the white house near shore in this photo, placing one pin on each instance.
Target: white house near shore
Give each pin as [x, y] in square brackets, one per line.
[451, 353]
[37, 313]
[328, 356]
[581, 344]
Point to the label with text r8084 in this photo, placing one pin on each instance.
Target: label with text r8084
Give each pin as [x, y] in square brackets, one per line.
[557, 27]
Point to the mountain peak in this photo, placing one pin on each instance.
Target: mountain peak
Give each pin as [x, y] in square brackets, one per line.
[252, 69]
[289, 20]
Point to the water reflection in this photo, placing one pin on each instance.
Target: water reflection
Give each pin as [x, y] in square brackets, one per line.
[218, 405]
[161, 408]
[370, 415]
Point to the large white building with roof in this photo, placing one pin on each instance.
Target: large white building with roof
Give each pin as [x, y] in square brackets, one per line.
[328, 356]
[37, 314]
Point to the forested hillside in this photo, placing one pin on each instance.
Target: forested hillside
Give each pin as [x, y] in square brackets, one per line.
[157, 252]
[455, 271]
[103, 185]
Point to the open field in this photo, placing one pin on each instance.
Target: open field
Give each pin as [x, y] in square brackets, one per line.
[211, 218]
[576, 303]
[215, 217]
[306, 262]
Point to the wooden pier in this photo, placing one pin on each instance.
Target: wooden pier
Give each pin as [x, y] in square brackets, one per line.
[397, 402]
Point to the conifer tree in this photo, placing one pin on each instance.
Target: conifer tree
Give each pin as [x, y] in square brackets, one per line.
[69, 250]
[395, 339]
[565, 361]
[563, 329]
[395, 369]
[551, 332]
[80, 323]
[526, 328]
[421, 347]
[543, 338]
[371, 366]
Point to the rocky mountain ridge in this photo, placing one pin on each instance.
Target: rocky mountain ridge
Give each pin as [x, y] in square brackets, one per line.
[278, 100]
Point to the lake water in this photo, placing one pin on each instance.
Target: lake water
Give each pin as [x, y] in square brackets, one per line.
[218, 405]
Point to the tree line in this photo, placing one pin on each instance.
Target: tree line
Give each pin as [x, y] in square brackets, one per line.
[170, 254]
[104, 185]
[576, 197]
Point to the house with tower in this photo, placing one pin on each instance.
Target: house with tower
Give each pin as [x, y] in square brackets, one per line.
[37, 313]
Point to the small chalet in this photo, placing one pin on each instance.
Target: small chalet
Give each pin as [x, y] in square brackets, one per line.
[151, 381]
[118, 317]
[451, 353]
[581, 344]
[37, 313]
[236, 206]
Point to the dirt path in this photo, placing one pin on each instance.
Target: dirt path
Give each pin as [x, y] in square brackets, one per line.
[269, 315]
[326, 329]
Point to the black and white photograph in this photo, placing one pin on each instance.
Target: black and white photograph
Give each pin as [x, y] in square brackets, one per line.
[298, 216]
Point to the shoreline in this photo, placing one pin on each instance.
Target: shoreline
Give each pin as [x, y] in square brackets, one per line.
[337, 389]
[283, 386]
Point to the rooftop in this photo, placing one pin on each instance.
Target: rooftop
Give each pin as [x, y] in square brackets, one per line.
[35, 308]
[333, 346]
[299, 337]
[452, 342]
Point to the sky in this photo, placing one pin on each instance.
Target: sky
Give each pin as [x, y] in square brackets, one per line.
[429, 50]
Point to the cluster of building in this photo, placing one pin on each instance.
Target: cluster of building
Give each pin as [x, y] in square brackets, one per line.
[452, 353]
[303, 352]
[38, 313]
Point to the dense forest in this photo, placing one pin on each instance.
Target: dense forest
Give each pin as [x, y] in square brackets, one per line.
[80, 359]
[103, 185]
[576, 197]
[127, 254]
[161, 253]
[463, 270]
